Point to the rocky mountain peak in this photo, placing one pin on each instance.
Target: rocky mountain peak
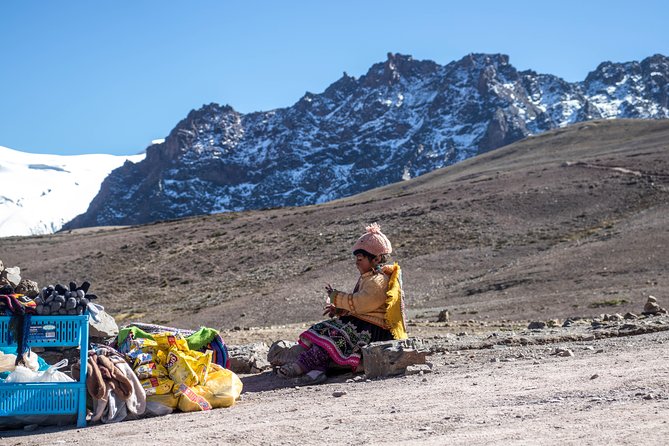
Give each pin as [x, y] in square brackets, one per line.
[401, 119]
[395, 68]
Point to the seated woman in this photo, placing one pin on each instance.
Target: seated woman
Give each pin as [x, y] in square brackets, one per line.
[373, 312]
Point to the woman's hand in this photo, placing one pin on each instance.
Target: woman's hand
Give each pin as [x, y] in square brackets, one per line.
[330, 310]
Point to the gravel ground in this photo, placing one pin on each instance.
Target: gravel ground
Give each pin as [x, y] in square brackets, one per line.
[613, 390]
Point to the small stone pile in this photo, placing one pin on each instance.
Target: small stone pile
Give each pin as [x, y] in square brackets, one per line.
[11, 282]
[652, 308]
[59, 300]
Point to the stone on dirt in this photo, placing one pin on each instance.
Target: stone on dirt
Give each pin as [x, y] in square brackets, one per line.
[105, 328]
[389, 358]
[652, 308]
[536, 325]
[12, 276]
[249, 358]
[418, 369]
[562, 352]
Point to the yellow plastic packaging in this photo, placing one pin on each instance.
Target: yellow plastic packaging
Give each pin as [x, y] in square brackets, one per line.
[167, 399]
[168, 341]
[151, 370]
[157, 386]
[191, 399]
[180, 368]
[222, 388]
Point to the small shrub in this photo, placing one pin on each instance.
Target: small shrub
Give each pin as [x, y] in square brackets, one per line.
[608, 303]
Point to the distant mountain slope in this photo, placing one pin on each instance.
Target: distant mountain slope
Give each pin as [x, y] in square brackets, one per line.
[566, 223]
[400, 120]
[38, 193]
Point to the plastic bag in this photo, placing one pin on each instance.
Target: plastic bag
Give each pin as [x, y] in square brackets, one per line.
[161, 404]
[157, 386]
[8, 360]
[151, 370]
[52, 374]
[191, 399]
[222, 388]
[168, 341]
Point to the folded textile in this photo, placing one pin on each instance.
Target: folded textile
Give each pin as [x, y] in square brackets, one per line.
[115, 389]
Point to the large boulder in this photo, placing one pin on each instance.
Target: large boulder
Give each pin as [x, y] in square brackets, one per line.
[388, 358]
[249, 358]
[104, 328]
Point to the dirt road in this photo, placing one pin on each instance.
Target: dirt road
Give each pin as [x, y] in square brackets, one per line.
[611, 391]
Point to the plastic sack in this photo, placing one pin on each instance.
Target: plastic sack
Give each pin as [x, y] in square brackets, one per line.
[168, 399]
[8, 360]
[151, 370]
[191, 399]
[52, 374]
[182, 368]
[157, 386]
[168, 341]
[222, 388]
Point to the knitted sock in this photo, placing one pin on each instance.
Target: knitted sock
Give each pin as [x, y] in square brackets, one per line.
[314, 359]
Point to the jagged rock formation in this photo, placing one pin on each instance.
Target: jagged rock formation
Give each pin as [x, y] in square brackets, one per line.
[403, 118]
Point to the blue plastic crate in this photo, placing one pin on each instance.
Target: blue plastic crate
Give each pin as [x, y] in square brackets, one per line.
[48, 398]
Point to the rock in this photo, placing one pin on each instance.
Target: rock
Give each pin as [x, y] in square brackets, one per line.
[630, 316]
[536, 325]
[106, 328]
[553, 323]
[444, 316]
[389, 358]
[418, 369]
[339, 393]
[567, 323]
[28, 288]
[2, 266]
[595, 376]
[12, 275]
[613, 317]
[652, 308]
[283, 352]
[249, 358]
[562, 352]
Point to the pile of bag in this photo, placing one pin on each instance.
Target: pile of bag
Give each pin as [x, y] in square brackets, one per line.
[174, 376]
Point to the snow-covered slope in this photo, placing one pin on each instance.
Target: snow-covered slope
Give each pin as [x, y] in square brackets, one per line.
[39, 193]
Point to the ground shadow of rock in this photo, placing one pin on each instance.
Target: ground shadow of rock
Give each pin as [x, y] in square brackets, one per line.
[263, 382]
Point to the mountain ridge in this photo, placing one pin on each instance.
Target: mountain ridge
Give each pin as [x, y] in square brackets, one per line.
[399, 120]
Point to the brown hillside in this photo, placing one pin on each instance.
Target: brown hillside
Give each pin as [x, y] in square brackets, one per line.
[571, 222]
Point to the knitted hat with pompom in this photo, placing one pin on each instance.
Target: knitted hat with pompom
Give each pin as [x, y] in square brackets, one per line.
[374, 241]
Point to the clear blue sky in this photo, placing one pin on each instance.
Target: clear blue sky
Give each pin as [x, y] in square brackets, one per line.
[102, 76]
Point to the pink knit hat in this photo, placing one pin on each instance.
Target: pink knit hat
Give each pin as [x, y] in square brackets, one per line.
[374, 241]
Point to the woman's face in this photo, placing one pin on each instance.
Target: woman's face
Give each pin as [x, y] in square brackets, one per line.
[363, 263]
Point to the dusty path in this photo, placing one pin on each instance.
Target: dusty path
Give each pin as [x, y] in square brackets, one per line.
[612, 391]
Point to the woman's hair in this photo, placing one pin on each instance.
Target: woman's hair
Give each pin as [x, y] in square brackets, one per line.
[384, 258]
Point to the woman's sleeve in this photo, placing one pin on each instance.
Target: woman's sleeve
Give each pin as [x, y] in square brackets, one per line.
[370, 296]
